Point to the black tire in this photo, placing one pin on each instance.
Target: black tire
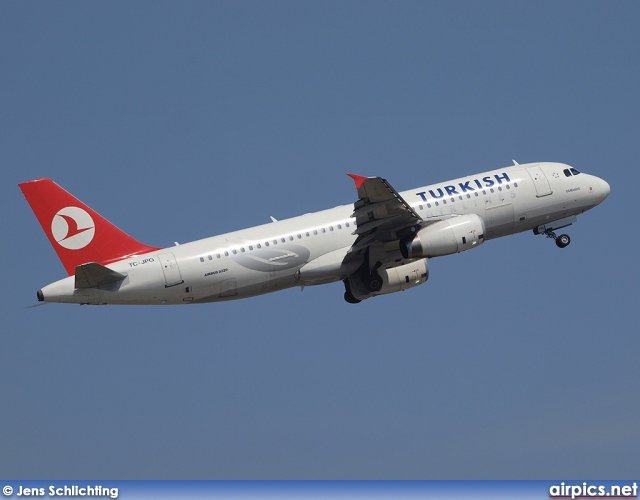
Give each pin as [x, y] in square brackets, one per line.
[348, 296]
[563, 240]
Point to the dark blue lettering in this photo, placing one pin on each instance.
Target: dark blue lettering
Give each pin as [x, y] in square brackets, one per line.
[422, 195]
[465, 187]
[433, 195]
[502, 177]
[451, 190]
[477, 183]
[488, 182]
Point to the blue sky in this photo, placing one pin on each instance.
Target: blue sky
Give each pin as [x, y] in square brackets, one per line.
[181, 120]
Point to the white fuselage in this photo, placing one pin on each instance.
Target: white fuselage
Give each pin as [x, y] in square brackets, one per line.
[269, 257]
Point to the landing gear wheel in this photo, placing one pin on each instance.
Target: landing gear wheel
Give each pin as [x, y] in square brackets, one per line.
[348, 296]
[563, 240]
[373, 282]
[370, 277]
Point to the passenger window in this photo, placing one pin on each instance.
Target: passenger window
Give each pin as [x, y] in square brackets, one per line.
[282, 240]
[210, 258]
[242, 249]
[234, 251]
[299, 236]
[218, 255]
[226, 254]
[250, 247]
[266, 243]
[201, 259]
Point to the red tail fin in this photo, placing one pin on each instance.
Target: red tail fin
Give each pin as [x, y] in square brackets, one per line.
[77, 233]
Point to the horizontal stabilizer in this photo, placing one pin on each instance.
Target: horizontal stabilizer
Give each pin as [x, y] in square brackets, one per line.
[92, 275]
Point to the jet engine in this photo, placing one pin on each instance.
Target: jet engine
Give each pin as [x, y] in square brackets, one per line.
[448, 236]
[394, 279]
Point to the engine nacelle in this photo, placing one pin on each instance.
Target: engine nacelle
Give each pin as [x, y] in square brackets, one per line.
[394, 279]
[448, 236]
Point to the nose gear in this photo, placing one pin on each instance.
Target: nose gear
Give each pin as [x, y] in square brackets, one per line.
[561, 241]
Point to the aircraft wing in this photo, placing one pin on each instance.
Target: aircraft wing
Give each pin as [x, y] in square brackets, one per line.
[381, 214]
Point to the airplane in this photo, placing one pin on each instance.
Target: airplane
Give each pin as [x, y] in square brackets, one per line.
[378, 245]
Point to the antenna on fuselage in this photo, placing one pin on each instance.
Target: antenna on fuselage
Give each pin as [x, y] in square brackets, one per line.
[515, 163]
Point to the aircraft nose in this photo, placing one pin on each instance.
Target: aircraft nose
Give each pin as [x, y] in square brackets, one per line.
[604, 188]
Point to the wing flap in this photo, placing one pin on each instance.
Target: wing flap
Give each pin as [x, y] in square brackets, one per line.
[365, 209]
[367, 227]
[380, 209]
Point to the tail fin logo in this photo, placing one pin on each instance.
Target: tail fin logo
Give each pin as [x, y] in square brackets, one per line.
[73, 228]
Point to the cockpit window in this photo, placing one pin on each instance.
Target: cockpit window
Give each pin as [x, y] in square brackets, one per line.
[570, 171]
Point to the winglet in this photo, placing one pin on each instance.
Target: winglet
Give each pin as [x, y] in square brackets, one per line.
[358, 179]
